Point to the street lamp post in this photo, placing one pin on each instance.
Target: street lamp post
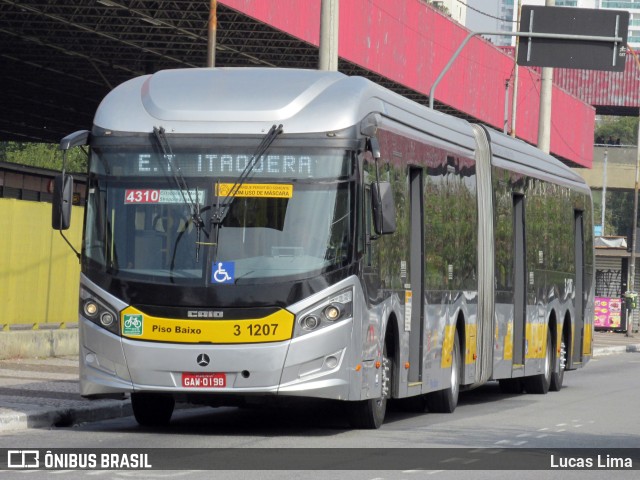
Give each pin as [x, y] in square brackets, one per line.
[328, 52]
[634, 239]
[212, 31]
[546, 89]
[604, 191]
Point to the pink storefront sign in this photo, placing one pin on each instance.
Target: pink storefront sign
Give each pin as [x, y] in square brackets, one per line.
[608, 312]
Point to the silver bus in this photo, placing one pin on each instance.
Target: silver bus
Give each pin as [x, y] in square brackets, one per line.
[254, 233]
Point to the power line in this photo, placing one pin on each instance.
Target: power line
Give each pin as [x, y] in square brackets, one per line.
[485, 14]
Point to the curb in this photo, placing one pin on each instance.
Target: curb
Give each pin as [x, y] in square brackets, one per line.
[11, 421]
[603, 351]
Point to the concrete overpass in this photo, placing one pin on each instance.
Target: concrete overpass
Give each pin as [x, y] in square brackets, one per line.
[59, 59]
[621, 167]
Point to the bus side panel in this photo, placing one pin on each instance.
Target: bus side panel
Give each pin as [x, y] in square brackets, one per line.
[440, 272]
[549, 245]
[589, 278]
[504, 184]
[549, 272]
[581, 342]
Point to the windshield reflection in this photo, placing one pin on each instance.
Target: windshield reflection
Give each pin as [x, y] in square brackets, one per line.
[140, 228]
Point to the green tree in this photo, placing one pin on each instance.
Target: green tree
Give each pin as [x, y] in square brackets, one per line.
[438, 5]
[619, 214]
[623, 128]
[42, 155]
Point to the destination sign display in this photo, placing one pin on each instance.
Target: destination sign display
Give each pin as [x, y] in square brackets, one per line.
[226, 163]
[220, 164]
[153, 195]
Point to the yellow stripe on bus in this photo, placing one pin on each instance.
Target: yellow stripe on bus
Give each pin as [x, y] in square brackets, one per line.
[536, 340]
[447, 346]
[140, 326]
[471, 343]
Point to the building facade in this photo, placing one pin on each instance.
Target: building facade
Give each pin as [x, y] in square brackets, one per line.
[457, 9]
[616, 166]
[502, 15]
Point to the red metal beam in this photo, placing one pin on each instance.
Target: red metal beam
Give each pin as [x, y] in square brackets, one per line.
[409, 42]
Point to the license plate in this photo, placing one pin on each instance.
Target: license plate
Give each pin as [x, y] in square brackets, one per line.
[204, 380]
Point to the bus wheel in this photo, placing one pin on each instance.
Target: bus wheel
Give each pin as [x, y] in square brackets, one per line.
[539, 384]
[557, 378]
[152, 409]
[369, 414]
[446, 401]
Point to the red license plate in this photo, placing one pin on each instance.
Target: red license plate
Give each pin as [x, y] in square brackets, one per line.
[204, 380]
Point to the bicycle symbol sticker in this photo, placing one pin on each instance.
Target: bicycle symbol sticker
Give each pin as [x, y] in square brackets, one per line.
[132, 324]
[223, 272]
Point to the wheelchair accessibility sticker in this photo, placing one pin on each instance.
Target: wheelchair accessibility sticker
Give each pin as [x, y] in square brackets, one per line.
[223, 272]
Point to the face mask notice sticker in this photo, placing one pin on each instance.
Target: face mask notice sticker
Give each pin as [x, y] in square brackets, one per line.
[256, 190]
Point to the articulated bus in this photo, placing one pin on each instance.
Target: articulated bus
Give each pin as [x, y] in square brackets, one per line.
[268, 233]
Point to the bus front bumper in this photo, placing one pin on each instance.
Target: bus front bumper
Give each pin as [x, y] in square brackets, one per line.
[314, 365]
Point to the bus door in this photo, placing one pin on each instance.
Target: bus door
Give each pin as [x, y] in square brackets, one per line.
[416, 262]
[579, 287]
[520, 280]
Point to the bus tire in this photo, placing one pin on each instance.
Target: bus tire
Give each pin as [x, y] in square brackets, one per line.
[369, 414]
[152, 409]
[557, 378]
[539, 384]
[446, 401]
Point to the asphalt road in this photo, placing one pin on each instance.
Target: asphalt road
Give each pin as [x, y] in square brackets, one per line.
[598, 409]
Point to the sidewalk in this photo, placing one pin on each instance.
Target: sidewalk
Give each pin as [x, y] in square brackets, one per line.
[43, 392]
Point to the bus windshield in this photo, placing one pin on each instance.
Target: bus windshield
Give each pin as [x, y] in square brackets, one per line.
[293, 217]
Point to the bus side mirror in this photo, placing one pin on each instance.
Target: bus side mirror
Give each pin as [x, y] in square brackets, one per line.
[62, 201]
[384, 208]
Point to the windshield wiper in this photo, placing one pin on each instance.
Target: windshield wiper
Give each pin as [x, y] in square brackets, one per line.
[194, 207]
[222, 208]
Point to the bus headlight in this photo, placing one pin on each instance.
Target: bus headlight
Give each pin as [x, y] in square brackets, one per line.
[90, 308]
[98, 311]
[334, 309]
[333, 312]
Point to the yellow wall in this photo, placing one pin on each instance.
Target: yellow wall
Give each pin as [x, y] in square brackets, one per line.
[621, 168]
[39, 273]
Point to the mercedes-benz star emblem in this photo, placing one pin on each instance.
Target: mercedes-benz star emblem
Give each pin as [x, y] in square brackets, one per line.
[203, 360]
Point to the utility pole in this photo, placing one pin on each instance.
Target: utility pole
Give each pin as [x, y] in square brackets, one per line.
[546, 88]
[328, 59]
[212, 31]
[505, 127]
[604, 190]
[631, 286]
[514, 103]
